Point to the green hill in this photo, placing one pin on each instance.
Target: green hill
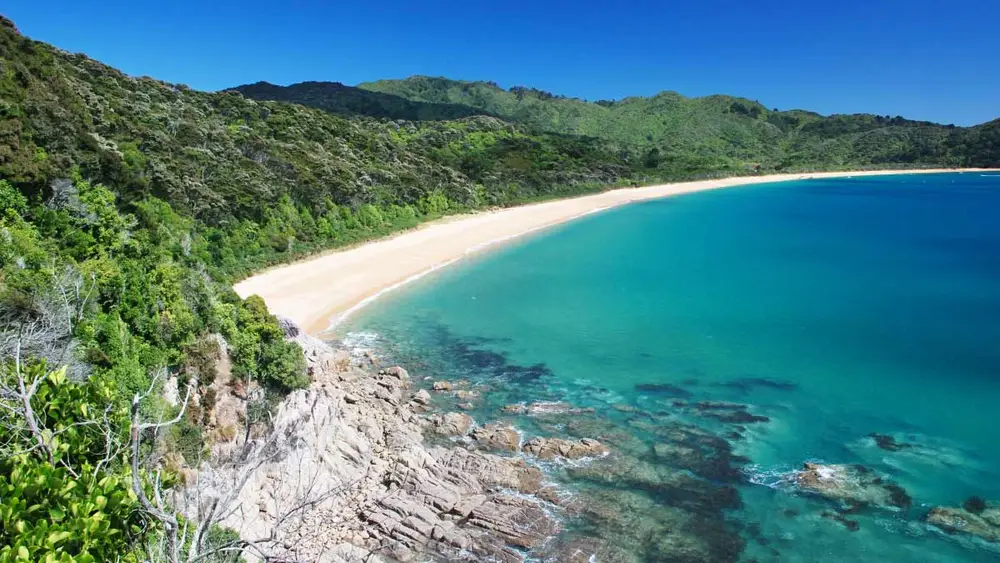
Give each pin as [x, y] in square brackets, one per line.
[715, 130]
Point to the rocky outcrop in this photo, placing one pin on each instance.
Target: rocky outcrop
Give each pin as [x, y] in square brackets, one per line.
[345, 467]
[852, 485]
[549, 448]
[976, 518]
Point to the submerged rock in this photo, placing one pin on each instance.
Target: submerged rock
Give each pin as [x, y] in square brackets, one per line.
[983, 521]
[698, 451]
[724, 411]
[853, 485]
[632, 526]
[748, 384]
[545, 408]
[442, 386]
[888, 443]
[662, 389]
[549, 448]
[851, 525]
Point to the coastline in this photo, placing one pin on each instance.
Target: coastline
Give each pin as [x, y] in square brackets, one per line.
[319, 292]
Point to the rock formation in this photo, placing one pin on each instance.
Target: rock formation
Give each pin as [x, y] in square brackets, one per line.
[852, 485]
[346, 467]
[976, 518]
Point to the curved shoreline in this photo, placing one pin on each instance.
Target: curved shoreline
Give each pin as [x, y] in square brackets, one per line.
[321, 291]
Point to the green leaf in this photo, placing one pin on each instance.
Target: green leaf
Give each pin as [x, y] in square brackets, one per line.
[57, 537]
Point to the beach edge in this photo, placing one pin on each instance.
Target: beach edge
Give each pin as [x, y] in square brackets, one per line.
[320, 292]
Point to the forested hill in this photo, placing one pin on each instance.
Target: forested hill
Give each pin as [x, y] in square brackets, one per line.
[712, 132]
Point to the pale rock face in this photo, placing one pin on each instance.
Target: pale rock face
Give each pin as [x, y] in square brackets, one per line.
[497, 436]
[171, 394]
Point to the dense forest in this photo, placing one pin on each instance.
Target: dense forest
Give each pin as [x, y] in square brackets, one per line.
[129, 205]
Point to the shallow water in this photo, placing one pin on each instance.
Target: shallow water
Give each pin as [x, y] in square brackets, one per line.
[835, 308]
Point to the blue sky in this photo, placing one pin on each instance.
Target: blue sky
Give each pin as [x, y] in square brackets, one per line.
[924, 59]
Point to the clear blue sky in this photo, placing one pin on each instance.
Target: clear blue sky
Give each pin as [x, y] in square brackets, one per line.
[924, 59]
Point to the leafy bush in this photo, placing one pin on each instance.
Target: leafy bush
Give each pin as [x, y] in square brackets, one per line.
[72, 497]
[261, 353]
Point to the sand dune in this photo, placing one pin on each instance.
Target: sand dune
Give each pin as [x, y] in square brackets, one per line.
[320, 291]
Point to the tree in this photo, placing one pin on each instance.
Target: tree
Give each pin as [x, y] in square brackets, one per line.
[653, 158]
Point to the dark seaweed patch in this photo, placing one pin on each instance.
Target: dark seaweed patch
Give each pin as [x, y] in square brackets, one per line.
[665, 389]
[748, 384]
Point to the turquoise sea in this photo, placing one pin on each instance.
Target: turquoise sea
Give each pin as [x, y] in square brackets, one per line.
[833, 308]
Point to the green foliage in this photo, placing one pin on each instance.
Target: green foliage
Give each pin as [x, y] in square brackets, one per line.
[11, 200]
[64, 506]
[260, 351]
[47, 514]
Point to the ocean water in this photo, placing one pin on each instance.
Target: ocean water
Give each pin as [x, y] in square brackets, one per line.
[833, 308]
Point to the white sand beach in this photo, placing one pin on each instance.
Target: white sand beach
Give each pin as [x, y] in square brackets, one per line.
[321, 290]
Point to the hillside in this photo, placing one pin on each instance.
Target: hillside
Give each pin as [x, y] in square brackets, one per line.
[717, 130]
[218, 156]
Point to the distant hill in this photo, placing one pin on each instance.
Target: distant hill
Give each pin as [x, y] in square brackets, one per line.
[349, 100]
[720, 127]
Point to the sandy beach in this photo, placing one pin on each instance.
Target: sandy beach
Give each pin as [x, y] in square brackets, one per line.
[320, 291]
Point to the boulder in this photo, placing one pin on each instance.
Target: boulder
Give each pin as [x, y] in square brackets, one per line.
[397, 372]
[422, 397]
[442, 386]
[452, 424]
[497, 436]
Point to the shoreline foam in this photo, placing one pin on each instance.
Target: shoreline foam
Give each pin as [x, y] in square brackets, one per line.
[320, 292]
